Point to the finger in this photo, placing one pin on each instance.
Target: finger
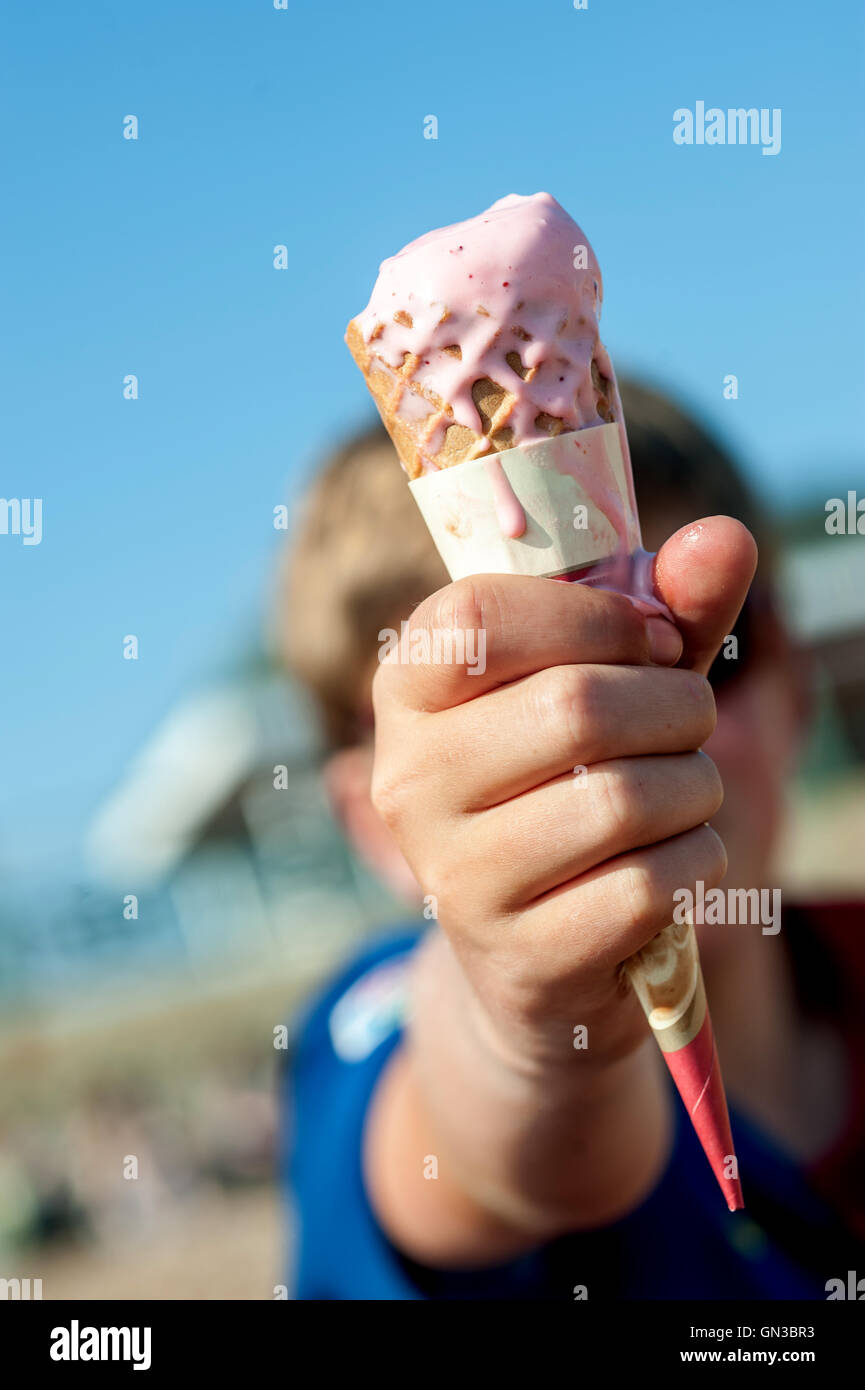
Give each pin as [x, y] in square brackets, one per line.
[484, 631]
[558, 832]
[702, 574]
[531, 731]
[600, 919]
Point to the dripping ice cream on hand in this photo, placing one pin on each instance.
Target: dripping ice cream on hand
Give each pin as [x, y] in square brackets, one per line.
[484, 336]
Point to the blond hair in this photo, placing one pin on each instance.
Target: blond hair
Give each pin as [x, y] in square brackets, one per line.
[361, 560]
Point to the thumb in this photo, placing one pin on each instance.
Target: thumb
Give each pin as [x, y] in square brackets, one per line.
[702, 574]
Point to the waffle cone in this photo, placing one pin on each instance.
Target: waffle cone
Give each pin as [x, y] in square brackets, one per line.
[422, 425]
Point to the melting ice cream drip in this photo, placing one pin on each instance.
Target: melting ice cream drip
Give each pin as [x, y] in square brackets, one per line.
[509, 511]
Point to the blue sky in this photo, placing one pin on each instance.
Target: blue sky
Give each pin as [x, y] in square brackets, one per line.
[305, 127]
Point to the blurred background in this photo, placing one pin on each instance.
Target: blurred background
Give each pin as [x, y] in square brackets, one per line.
[164, 906]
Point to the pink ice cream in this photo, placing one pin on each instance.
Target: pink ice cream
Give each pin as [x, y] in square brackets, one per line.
[510, 298]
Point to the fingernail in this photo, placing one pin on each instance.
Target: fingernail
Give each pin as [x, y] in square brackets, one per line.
[665, 642]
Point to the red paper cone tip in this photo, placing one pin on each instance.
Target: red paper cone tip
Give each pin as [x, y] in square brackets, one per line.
[697, 1075]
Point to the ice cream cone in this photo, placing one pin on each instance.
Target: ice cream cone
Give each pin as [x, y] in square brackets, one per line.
[480, 347]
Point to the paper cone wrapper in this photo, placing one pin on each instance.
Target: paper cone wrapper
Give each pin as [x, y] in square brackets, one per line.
[575, 491]
[577, 495]
[668, 982]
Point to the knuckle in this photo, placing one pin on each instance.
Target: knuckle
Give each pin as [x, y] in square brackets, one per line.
[711, 855]
[462, 910]
[688, 705]
[466, 605]
[617, 805]
[712, 788]
[646, 901]
[702, 702]
[388, 793]
[564, 703]
[650, 884]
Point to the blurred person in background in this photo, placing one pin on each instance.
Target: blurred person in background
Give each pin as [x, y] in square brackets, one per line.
[443, 1143]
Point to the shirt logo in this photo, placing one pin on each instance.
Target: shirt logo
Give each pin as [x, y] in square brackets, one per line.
[369, 1011]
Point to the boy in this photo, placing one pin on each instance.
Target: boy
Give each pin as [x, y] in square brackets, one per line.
[451, 1140]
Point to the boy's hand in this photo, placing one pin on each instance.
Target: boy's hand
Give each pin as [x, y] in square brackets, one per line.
[553, 803]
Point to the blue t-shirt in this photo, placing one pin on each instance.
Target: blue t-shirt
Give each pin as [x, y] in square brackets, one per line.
[785, 1245]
